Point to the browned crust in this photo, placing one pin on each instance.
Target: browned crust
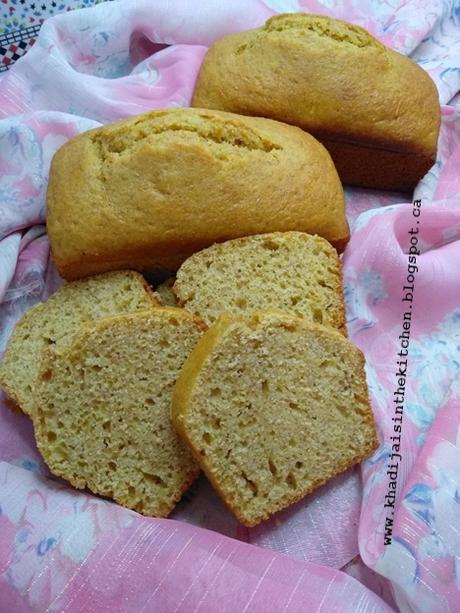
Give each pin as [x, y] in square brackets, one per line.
[340, 244]
[116, 223]
[12, 393]
[11, 402]
[148, 289]
[169, 261]
[342, 317]
[388, 104]
[155, 265]
[365, 166]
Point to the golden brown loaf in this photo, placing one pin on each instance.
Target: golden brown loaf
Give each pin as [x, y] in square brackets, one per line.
[147, 192]
[272, 407]
[103, 414]
[293, 271]
[53, 323]
[375, 110]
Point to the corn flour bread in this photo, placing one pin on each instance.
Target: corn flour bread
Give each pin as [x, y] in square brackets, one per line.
[272, 407]
[375, 110]
[293, 271]
[103, 415]
[53, 323]
[164, 293]
[147, 192]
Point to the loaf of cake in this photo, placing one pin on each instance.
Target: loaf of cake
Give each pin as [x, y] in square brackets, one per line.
[272, 406]
[147, 192]
[293, 271]
[102, 419]
[376, 111]
[54, 322]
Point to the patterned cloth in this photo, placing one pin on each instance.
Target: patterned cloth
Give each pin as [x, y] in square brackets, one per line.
[60, 549]
[20, 23]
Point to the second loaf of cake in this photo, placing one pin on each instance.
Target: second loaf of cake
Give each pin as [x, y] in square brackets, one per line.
[376, 111]
[147, 192]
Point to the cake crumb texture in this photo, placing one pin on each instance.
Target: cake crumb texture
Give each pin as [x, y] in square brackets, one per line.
[291, 271]
[103, 413]
[164, 293]
[54, 322]
[273, 406]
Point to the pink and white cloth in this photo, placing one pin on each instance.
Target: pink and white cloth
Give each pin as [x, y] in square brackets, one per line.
[62, 550]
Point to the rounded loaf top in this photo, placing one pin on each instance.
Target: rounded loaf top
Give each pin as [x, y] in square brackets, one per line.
[326, 76]
[147, 192]
[300, 24]
[336, 81]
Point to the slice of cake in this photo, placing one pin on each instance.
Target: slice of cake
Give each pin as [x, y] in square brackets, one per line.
[102, 419]
[53, 323]
[273, 407]
[292, 271]
[164, 293]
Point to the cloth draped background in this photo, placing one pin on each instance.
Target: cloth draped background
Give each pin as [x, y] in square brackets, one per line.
[66, 550]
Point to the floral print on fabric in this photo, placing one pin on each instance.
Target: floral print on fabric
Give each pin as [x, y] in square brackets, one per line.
[62, 549]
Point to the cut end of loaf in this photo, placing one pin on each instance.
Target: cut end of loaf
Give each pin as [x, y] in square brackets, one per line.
[53, 324]
[273, 407]
[103, 417]
[293, 271]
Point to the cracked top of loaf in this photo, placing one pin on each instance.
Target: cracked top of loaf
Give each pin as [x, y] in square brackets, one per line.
[147, 192]
[327, 76]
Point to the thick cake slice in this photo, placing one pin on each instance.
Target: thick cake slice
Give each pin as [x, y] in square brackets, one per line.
[293, 271]
[103, 413]
[273, 407]
[55, 322]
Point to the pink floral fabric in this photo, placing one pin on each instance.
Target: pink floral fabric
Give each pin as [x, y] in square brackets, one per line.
[365, 541]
